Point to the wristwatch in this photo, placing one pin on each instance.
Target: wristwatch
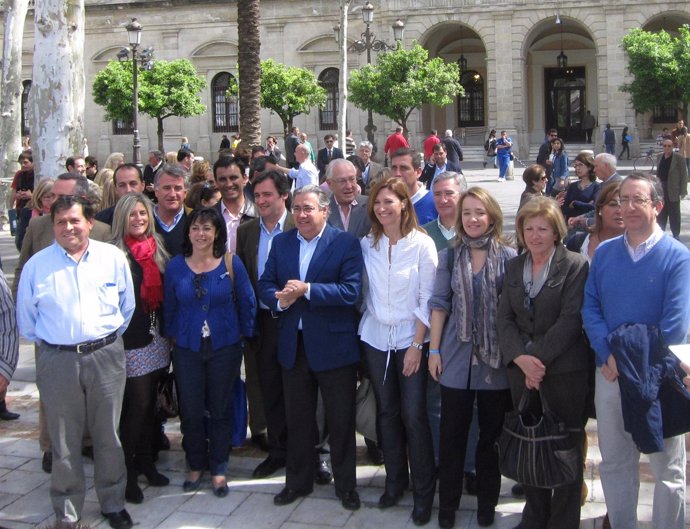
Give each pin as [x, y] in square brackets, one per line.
[417, 345]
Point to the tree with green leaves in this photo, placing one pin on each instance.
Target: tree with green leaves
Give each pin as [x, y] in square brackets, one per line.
[169, 88]
[402, 81]
[288, 91]
[658, 63]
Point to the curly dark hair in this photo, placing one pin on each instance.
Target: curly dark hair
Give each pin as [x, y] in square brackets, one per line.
[206, 215]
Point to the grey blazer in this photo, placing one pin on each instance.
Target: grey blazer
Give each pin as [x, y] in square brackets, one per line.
[359, 224]
[553, 324]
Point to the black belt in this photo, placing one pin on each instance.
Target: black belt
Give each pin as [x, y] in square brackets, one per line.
[86, 347]
[269, 312]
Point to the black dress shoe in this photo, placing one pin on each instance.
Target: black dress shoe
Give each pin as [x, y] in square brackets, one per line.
[389, 500]
[421, 515]
[118, 520]
[155, 478]
[47, 462]
[446, 518]
[268, 467]
[287, 496]
[7, 415]
[261, 441]
[192, 486]
[222, 491]
[518, 491]
[323, 475]
[486, 518]
[133, 493]
[349, 499]
[374, 453]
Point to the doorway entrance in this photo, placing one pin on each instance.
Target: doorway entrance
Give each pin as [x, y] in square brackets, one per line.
[565, 101]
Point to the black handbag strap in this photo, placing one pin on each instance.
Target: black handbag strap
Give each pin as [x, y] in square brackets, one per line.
[527, 396]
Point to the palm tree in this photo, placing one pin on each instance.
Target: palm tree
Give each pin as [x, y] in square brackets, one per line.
[248, 18]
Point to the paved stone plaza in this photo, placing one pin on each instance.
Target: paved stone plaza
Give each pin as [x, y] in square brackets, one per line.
[24, 487]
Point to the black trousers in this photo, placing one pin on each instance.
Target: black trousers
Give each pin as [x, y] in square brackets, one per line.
[670, 213]
[271, 383]
[566, 395]
[456, 417]
[337, 386]
[138, 412]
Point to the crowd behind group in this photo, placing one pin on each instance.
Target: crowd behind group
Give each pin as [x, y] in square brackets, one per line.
[324, 274]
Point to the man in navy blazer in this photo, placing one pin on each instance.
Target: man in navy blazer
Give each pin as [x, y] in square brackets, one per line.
[326, 155]
[312, 281]
[439, 164]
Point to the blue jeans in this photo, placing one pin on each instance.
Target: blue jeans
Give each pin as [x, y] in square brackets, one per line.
[503, 163]
[404, 426]
[204, 383]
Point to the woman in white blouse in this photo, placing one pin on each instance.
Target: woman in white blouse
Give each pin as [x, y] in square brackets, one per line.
[400, 263]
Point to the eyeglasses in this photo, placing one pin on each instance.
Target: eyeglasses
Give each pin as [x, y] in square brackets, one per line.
[307, 210]
[199, 291]
[634, 201]
[343, 181]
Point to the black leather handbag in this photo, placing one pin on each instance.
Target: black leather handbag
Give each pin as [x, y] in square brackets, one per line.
[166, 404]
[538, 451]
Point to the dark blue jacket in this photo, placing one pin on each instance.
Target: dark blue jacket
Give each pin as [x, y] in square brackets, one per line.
[654, 401]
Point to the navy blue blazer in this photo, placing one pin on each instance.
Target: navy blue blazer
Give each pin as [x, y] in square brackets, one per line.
[430, 168]
[329, 317]
[322, 159]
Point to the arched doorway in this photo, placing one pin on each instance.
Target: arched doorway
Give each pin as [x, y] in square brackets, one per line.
[561, 69]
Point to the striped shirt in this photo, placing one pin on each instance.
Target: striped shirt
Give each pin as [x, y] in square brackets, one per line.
[9, 336]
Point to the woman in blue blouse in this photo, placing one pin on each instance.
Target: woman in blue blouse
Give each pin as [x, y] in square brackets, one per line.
[581, 195]
[559, 169]
[206, 313]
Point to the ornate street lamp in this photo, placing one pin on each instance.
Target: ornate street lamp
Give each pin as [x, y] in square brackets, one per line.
[134, 30]
[368, 42]
[562, 59]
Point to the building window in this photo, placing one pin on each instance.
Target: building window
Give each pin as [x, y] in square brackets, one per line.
[226, 114]
[123, 127]
[471, 105]
[666, 113]
[328, 115]
[26, 129]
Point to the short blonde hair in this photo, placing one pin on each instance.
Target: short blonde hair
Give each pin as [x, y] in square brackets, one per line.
[541, 207]
[44, 186]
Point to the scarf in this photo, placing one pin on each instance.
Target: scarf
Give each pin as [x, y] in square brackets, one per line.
[533, 287]
[480, 328]
[143, 252]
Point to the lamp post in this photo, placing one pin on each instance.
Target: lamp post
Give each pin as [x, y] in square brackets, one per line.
[368, 42]
[146, 57]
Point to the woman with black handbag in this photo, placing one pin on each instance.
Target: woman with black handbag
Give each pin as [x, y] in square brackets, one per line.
[464, 355]
[541, 339]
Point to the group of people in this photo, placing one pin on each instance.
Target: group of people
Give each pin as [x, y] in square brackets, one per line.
[368, 274]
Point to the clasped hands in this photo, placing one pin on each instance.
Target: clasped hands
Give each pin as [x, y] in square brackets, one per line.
[292, 291]
[533, 368]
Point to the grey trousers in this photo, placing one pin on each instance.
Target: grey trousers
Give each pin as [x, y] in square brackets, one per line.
[81, 391]
[620, 467]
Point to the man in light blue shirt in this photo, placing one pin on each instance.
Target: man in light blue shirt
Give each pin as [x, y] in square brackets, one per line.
[75, 300]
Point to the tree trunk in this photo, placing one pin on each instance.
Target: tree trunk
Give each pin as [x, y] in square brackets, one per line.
[248, 18]
[11, 90]
[57, 89]
[159, 131]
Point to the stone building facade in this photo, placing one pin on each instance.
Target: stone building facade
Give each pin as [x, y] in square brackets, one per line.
[512, 79]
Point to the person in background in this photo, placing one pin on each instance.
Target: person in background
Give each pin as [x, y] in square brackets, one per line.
[350, 143]
[206, 313]
[559, 168]
[9, 346]
[673, 175]
[23, 183]
[372, 170]
[684, 146]
[626, 140]
[202, 195]
[405, 164]
[464, 356]
[224, 143]
[588, 124]
[400, 262]
[610, 139]
[147, 352]
[41, 200]
[91, 167]
[490, 149]
[504, 146]
[535, 183]
[581, 195]
[184, 143]
[201, 172]
[114, 160]
[395, 142]
[428, 145]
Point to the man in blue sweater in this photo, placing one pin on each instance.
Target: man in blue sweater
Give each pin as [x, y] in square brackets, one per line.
[406, 164]
[640, 277]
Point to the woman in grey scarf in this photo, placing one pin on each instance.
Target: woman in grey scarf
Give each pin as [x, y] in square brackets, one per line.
[464, 355]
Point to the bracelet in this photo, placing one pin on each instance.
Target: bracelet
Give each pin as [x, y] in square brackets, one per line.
[417, 345]
[434, 351]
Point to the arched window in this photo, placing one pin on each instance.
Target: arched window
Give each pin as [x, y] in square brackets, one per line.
[226, 114]
[471, 105]
[328, 116]
[26, 129]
